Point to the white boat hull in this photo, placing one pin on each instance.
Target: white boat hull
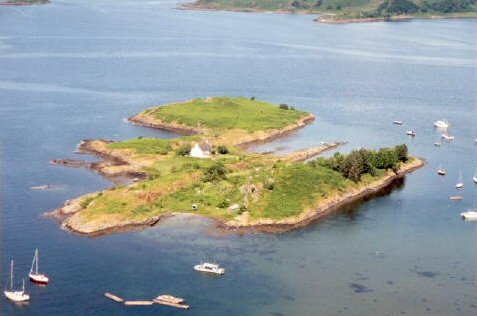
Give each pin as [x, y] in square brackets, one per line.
[17, 296]
[469, 216]
[459, 185]
[200, 268]
[474, 179]
[39, 278]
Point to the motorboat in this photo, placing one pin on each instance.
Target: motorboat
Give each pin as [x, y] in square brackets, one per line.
[441, 124]
[469, 215]
[411, 133]
[398, 122]
[209, 268]
[447, 137]
[16, 295]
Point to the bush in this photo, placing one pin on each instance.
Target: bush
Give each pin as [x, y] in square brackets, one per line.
[223, 150]
[283, 106]
[224, 204]
[215, 173]
[184, 150]
[87, 201]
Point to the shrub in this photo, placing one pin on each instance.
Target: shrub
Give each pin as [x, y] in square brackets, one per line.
[215, 173]
[184, 150]
[223, 150]
[87, 201]
[224, 204]
[283, 106]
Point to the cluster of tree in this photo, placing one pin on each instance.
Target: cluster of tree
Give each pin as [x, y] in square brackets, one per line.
[397, 7]
[449, 6]
[365, 161]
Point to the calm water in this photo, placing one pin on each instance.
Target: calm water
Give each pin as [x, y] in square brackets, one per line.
[75, 70]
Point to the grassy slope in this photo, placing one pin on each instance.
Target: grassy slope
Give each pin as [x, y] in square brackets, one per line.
[227, 113]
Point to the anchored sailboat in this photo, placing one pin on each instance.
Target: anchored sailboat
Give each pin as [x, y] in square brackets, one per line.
[459, 184]
[34, 275]
[441, 171]
[15, 295]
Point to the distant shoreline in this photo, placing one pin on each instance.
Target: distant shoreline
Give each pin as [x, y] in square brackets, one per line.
[24, 3]
[328, 18]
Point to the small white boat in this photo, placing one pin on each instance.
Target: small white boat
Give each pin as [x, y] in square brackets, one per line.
[469, 215]
[438, 144]
[441, 124]
[16, 295]
[35, 276]
[441, 171]
[209, 268]
[474, 179]
[447, 137]
[398, 122]
[459, 184]
[411, 133]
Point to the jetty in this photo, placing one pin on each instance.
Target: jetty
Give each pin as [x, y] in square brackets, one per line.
[138, 303]
[114, 297]
[170, 300]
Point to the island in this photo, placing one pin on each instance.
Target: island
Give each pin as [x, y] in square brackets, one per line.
[23, 2]
[208, 171]
[340, 11]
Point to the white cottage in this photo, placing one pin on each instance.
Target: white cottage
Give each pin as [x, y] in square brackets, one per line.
[203, 150]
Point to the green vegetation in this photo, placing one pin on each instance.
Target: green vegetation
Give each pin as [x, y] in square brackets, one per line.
[364, 161]
[232, 181]
[265, 186]
[352, 9]
[221, 113]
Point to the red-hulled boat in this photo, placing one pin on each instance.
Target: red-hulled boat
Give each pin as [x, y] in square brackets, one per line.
[36, 277]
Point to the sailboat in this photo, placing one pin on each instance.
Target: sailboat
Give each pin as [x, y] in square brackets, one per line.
[475, 176]
[15, 295]
[441, 171]
[36, 277]
[459, 184]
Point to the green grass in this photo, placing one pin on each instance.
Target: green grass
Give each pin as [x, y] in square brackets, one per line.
[155, 146]
[297, 187]
[227, 113]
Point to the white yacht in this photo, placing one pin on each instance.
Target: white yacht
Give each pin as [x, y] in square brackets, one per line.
[16, 295]
[397, 122]
[209, 268]
[469, 215]
[441, 124]
[411, 133]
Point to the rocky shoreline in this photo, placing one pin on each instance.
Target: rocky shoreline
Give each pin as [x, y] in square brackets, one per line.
[324, 208]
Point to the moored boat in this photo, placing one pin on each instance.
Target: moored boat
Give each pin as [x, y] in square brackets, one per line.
[16, 295]
[209, 268]
[447, 137]
[411, 133]
[469, 215]
[441, 171]
[34, 275]
[397, 122]
[460, 184]
[441, 124]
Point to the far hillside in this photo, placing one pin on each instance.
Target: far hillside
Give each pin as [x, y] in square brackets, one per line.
[351, 9]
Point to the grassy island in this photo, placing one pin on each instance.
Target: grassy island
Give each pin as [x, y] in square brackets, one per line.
[345, 11]
[241, 189]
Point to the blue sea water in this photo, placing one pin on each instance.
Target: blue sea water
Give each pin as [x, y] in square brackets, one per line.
[73, 70]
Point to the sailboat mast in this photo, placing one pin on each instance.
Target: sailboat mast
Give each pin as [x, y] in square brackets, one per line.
[36, 261]
[11, 274]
